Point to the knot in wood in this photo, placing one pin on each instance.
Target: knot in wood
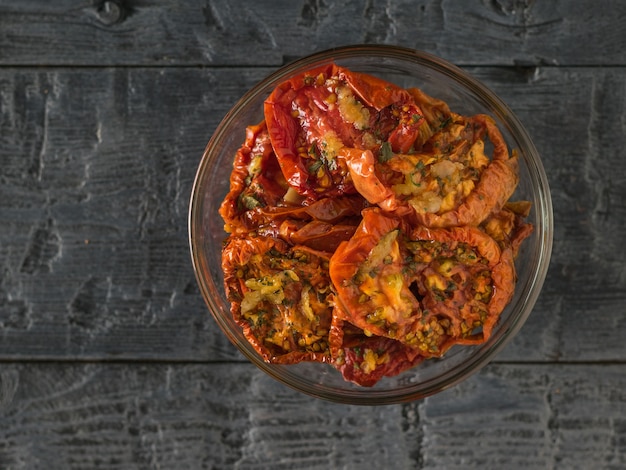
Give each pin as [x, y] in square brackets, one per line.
[110, 12]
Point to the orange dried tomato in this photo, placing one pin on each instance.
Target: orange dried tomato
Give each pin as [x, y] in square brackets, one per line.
[281, 296]
[255, 182]
[426, 288]
[450, 181]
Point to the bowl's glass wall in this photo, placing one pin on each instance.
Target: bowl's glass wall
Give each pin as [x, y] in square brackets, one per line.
[464, 95]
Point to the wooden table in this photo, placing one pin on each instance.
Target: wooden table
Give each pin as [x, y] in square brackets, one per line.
[108, 357]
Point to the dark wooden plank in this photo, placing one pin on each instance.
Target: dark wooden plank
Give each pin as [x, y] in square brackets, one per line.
[94, 196]
[97, 156]
[557, 417]
[225, 32]
[576, 118]
[106, 416]
[94, 188]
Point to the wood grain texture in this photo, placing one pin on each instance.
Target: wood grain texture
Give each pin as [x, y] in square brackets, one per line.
[56, 416]
[221, 32]
[108, 357]
[95, 187]
[578, 123]
[567, 417]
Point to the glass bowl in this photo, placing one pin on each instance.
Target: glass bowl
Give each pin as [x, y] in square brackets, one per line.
[465, 95]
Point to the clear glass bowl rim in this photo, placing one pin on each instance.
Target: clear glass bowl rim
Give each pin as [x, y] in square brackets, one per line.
[507, 331]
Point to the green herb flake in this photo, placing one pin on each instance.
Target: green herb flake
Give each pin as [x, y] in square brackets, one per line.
[249, 202]
[316, 165]
[445, 122]
[385, 152]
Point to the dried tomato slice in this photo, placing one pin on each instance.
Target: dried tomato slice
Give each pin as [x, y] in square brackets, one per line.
[426, 288]
[399, 119]
[316, 114]
[436, 113]
[450, 181]
[258, 200]
[508, 226]
[280, 296]
[470, 199]
[321, 226]
[465, 280]
[365, 360]
[369, 276]
[255, 181]
[319, 235]
[331, 210]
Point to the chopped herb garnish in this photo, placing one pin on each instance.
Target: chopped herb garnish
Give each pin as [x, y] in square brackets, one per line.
[445, 123]
[313, 151]
[385, 152]
[249, 202]
[316, 165]
[332, 164]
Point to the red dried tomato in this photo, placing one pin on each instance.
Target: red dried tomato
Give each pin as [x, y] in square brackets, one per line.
[281, 296]
[364, 359]
[426, 288]
[313, 116]
[255, 182]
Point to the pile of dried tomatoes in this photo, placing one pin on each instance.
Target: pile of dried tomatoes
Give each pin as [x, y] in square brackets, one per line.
[369, 226]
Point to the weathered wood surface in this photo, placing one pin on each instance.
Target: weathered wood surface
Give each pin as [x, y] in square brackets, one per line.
[108, 358]
[231, 416]
[95, 189]
[268, 32]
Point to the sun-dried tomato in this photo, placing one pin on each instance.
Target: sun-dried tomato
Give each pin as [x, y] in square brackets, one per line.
[281, 297]
[426, 288]
[315, 115]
